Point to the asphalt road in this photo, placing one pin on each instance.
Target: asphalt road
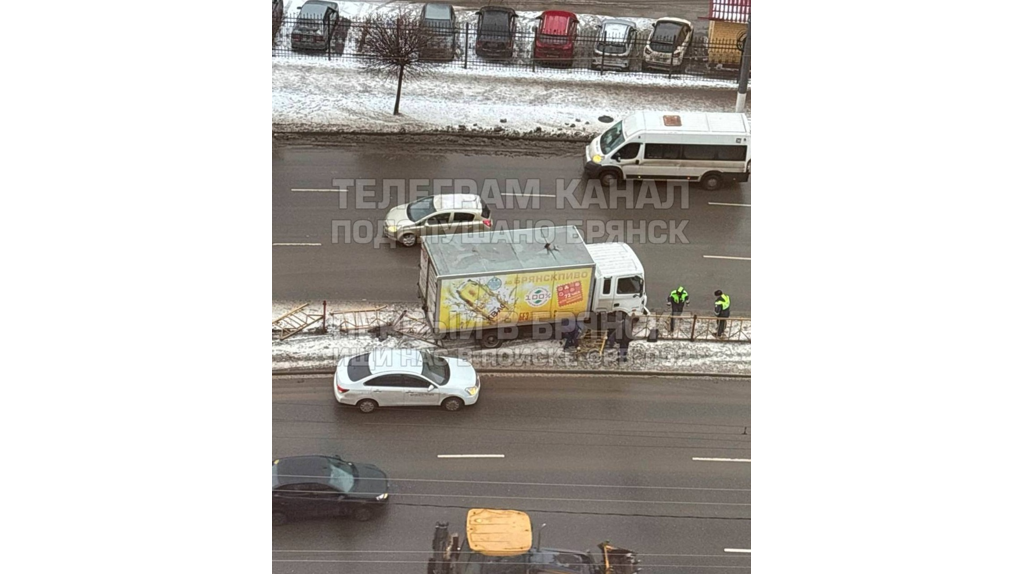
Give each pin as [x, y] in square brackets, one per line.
[595, 458]
[309, 266]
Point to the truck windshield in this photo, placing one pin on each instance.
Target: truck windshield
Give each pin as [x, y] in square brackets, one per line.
[612, 138]
[421, 208]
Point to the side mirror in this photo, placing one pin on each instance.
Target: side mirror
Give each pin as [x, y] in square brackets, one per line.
[616, 157]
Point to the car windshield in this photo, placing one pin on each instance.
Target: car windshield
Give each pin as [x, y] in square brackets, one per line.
[343, 475]
[435, 369]
[359, 367]
[421, 208]
[438, 12]
[494, 22]
[664, 37]
[612, 138]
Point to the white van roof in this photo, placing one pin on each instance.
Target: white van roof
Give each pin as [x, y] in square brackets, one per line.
[615, 259]
[686, 122]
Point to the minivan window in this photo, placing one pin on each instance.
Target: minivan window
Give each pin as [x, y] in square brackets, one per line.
[629, 151]
[612, 138]
[663, 151]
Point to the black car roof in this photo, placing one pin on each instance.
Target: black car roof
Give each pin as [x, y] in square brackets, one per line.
[302, 469]
[497, 9]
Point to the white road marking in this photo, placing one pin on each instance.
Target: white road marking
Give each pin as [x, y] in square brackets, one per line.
[743, 550]
[331, 190]
[721, 459]
[297, 244]
[729, 204]
[726, 257]
[529, 195]
[470, 456]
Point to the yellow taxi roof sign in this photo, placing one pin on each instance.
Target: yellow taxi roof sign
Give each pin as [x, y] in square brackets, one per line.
[498, 532]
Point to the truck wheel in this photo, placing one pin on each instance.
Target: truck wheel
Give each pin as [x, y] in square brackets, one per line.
[407, 240]
[367, 406]
[452, 404]
[711, 181]
[609, 178]
[490, 340]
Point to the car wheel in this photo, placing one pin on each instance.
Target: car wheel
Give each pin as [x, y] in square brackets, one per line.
[362, 513]
[711, 182]
[367, 406]
[609, 178]
[452, 404]
[407, 240]
[490, 340]
[279, 519]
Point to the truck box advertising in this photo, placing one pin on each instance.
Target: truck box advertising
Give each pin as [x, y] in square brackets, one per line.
[513, 298]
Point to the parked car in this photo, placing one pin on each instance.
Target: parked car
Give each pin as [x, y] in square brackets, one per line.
[666, 47]
[405, 378]
[326, 486]
[439, 21]
[319, 25]
[277, 18]
[616, 45]
[556, 37]
[496, 32]
[437, 214]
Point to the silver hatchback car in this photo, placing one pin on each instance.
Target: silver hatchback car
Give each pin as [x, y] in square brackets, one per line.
[438, 214]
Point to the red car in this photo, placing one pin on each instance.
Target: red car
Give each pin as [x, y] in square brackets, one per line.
[556, 37]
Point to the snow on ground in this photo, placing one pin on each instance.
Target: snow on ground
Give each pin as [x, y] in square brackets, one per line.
[322, 351]
[321, 95]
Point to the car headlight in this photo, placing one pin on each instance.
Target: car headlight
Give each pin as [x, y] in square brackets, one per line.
[392, 228]
[383, 496]
[473, 391]
[597, 158]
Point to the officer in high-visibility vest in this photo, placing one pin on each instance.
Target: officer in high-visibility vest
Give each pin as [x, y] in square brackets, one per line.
[678, 298]
[721, 311]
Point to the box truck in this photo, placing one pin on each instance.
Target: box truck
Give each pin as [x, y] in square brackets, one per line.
[505, 284]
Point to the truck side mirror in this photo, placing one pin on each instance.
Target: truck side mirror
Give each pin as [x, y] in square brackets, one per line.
[616, 157]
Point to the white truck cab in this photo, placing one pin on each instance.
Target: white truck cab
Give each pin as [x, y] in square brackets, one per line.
[618, 280]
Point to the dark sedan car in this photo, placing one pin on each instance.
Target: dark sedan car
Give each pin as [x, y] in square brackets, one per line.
[495, 32]
[319, 26]
[326, 486]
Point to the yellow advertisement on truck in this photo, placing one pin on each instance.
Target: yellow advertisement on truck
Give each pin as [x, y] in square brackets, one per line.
[512, 298]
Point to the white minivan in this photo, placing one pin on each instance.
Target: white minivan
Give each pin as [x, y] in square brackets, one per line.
[710, 148]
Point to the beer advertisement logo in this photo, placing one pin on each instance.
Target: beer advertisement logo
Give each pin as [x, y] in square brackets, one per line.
[538, 297]
[570, 293]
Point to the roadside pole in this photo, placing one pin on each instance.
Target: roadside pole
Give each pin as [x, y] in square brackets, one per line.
[741, 95]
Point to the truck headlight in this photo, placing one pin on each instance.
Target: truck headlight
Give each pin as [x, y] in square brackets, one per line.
[597, 158]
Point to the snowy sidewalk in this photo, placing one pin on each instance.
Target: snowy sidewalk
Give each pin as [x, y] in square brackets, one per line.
[337, 96]
[308, 350]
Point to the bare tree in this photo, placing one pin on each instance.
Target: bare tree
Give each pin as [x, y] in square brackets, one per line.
[395, 47]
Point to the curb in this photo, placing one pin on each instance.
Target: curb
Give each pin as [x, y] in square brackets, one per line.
[678, 374]
[465, 134]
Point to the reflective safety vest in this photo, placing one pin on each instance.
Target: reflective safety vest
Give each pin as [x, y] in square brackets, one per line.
[723, 301]
[679, 295]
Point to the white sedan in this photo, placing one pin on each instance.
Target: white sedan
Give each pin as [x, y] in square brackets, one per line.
[405, 378]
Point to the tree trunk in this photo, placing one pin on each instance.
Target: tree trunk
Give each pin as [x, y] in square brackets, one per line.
[398, 96]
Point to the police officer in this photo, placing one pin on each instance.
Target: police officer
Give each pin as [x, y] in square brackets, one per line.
[721, 311]
[677, 299]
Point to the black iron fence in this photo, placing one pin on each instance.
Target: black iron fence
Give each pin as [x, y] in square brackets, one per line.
[525, 49]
